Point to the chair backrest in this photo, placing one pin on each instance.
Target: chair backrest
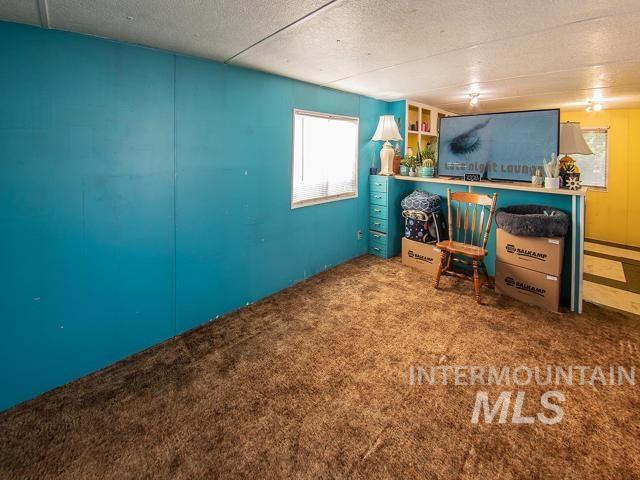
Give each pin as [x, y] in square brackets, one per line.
[471, 217]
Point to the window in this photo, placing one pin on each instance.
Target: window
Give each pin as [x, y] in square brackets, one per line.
[593, 168]
[325, 158]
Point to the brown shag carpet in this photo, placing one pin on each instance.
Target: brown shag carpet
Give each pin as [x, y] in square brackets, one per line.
[314, 383]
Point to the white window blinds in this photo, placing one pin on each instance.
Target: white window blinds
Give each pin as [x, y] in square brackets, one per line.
[325, 158]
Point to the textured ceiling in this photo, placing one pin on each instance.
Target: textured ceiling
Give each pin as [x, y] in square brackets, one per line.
[517, 54]
[215, 29]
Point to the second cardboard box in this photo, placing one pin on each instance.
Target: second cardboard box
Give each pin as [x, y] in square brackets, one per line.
[529, 286]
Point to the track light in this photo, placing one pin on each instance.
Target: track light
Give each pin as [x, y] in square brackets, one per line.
[474, 99]
[597, 107]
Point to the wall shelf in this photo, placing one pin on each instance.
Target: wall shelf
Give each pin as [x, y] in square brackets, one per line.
[427, 120]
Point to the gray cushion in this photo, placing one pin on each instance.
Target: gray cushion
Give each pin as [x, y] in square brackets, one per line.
[533, 221]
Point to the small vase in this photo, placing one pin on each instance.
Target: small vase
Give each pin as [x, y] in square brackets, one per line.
[426, 172]
[412, 173]
[552, 182]
[396, 164]
[404, 170]
[537, 181]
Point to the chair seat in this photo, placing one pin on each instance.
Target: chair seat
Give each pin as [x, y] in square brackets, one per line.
[460, 248]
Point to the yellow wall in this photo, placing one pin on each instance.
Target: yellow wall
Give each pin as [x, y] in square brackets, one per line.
[614, 215]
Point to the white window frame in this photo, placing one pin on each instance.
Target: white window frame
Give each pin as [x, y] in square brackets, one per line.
[606, 160]
[332, 198]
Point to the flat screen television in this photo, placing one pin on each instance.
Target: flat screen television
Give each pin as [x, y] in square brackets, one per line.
[499, 146]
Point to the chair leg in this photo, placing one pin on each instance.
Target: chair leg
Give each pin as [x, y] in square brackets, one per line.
[487, 277]
[476, 279]
[441, 267]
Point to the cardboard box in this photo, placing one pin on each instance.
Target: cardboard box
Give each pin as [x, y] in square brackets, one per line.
[540, 254]
[532, 287]
[423, 256]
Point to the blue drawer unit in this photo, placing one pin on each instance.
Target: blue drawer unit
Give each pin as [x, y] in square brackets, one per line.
[377, 250]
[378, 183]
[378, 239]
[378, 198]
[386, 225]
[378, 225]
[378, 211]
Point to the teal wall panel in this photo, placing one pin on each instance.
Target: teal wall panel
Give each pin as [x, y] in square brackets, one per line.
[237, 239]
[143, 193]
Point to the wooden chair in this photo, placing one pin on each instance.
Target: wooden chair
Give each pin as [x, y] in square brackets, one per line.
[471, 236]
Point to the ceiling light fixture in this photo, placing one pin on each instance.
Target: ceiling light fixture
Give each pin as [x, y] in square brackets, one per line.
[474, 99]
[593, 106]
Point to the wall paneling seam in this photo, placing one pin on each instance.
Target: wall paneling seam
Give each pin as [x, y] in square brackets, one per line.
[175, 220]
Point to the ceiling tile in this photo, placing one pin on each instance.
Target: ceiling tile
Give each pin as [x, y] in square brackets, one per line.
[614, 98]
[20, 11]
[605, 41]
[210, 29]
[358, 36]
[585, 84]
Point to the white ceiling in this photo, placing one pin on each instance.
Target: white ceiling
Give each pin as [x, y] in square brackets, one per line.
[517, 54]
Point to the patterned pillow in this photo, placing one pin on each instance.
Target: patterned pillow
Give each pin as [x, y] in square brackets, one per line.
[422, 201]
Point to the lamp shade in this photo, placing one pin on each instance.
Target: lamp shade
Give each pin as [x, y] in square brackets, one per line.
[572, 141]
[387, 129]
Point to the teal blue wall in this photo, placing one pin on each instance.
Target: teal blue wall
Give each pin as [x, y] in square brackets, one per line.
[143, 193]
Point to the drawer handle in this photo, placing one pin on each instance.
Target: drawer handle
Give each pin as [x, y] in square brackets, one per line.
[378, 184]
[377, 223]
[377, 196]
[377, 210]
[376, 236]
[376, 249]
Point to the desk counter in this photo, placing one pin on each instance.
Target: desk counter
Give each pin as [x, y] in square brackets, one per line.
[520, 186]
[513, 193]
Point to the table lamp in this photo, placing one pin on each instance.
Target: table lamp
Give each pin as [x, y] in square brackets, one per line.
[387, 130]
[572, 142]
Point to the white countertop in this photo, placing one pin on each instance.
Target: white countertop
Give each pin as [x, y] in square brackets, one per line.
[500, 185]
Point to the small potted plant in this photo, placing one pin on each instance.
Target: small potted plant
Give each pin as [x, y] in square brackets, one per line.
[537, 179]
[427, 169]
[552, 172]
[418, 162]
[429, 155]
[406, 164]
[413, 167]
